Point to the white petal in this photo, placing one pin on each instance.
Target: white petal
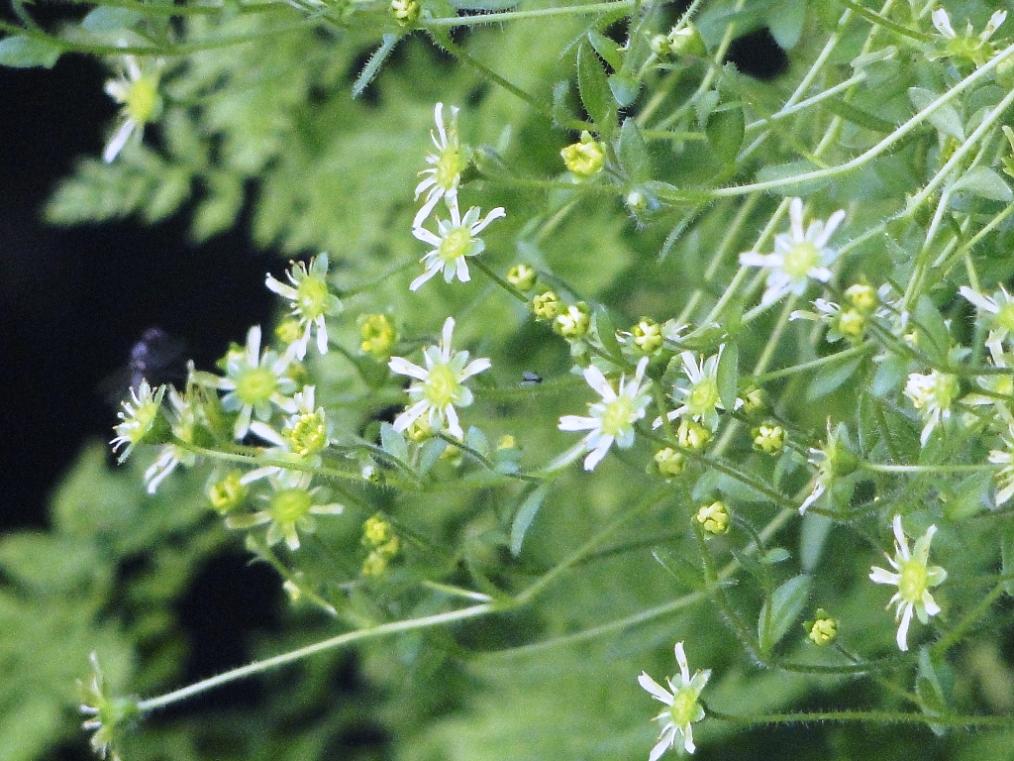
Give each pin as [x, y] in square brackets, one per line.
[497, 213]
[943, 24]
[880, 575]
[930, 604]
[402, 366]
[906, 619]
[453, 426]
[253, 345]
[410, 415]
[660, 747]
[657, 691]
[321, 336]
[577, 423]
[431, 200]
[597, 454]
[599, 384]
[681, 659]
[118, 140]
[796, 219]
[416, 284]
[277, 286]
[757, 259]
[421, 233]
[474, 367]
[688, 739]
[446, 335]
[899, 537]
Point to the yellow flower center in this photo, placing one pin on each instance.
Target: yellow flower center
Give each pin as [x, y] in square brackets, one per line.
[256, 385]
[441, 386]
[802, 258]
[457, 243]
[142, 100]
[703, 396]
[450, 165]
[914, 577]
[684, 707]
[308, 435]
[617, 416]
[289, 505]
[311, 295]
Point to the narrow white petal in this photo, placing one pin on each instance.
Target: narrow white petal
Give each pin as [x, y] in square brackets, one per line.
[474, 367]
[402, 366]
[497, 213]
[577, 423]
[796, 219]
[681, 659]
[899, 537]
[118, 140]
[410, 415]
[453, 426]
[416, 284]
[880, 575]
[660, 747]
[906, 619]
[598, 382]
[657, 691]
[597, 454]
[943, 23]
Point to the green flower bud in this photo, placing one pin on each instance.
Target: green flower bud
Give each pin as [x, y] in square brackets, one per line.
[586, 157]
[714, 518]
[546, 305]
[769, 438]
[573, 322]
[823, 630]
[228, 492]
[669, 462]
[522, 277]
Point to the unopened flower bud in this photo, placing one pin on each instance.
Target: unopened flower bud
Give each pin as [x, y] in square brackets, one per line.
[228, 492]
[521, 276]
[573, 322]
[669, 462]
[586, 157]
[546, 305]
[378, 335]
[692, 435]
[769, 438]
[406, 12]
[823, 630]
[646, 335]
[714, 518]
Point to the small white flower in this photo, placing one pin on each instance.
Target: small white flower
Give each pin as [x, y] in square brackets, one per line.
[800, 255]
[975, 48]
[913, 577]
[833, 460]
[446, 165]
[304, 436]
[942, 22]
[699, 399]
[253, 382]
[455, 240]
[136, 90]
[183, 419]
[611, 419]
[1004, 477]
[932, 394]
[438, 388]
[289, 509]
[682, 706]
[138, 417]
[1000, 305]
[310, 300]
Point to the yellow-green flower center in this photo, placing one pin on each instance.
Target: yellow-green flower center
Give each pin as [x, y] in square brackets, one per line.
[141, 421]
[703, 397]
[450, 165]
[457, 243]
[1005, 317]
[142, 99]
[800, 259]
[308, 435]
[289, 505]
[913, 582]
[311, 296]
[617, 416]
[684, 707]
[441, 386]
[256, 385]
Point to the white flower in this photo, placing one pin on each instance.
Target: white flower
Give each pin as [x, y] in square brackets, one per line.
[682, 707]
[800, 255]
[1004, 477]
[913, 578]
[446, 165]
[438, 388]
[253, 382]
[304, 436]
[1000, 305]
[136, 90]
[611, 419]
[833, 460]
[309, 299]
[289, 509]
[455, 240]
[138, 417]
[699, 400]
[932, 394]
[967, 45]
[183, 417]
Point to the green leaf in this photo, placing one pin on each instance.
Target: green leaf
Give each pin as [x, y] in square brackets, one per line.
[605, 329]
[785, 22]
[775, 555]
[108, 19]
[219, 211]
[985, 183]
[727, 375]
[633, 152]
[430, 453]
[1007, 555]
[933, 339]
[476, 439]
[725, 133]
[786, 604]
[624, 89]
[945, 118]
[831, 376]
[392, 442]
[929, 690]
[606, 48]
[594, 89]
[852, 113]
[524, 517]
[21, 52]
[813, 534]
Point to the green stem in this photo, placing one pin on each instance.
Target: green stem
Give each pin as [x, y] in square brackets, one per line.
[879, 717]
[968, 620]
[535, 13]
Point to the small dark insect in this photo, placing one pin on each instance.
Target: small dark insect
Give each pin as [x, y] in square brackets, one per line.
[528, 378]
[156, 357]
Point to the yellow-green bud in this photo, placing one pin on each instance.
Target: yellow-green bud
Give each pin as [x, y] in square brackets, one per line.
[375, 564]
[406, 12]
[852, 323]
[685, 41]
[522, 277]
[288, 331]
[507, 441]
[419, 430]
[769, 438]
[573, 322]
[692, 435]
[377, 530]
[378, 335]
[714, 518]
[586, 157]
[754, 401]
[647, 335]
[862, 296]
[823, 630]
[659, 44]
[227, 493]
[669, 462]
[546, 305]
